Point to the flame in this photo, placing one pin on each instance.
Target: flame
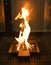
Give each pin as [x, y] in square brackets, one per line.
[25, 29]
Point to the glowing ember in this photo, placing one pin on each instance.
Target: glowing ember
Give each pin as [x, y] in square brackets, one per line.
[25, 30]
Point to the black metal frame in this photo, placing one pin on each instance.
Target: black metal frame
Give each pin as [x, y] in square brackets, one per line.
[8, 17]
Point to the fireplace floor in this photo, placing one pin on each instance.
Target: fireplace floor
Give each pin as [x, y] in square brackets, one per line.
[10, 58]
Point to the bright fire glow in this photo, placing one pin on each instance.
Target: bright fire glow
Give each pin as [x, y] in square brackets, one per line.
[25, 29]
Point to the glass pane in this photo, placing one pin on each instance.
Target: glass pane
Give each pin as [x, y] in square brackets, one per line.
[36, 16]
[47, 16]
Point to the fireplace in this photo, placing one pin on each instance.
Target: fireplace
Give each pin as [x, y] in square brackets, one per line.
[24, 20]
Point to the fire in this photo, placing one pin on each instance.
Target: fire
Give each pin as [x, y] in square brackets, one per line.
[25, 29]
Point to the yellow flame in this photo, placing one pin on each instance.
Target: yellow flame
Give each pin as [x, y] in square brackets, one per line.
[25, 13]
[25, 29]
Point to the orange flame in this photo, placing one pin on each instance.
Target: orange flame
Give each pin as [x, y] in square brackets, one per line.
[25, 29]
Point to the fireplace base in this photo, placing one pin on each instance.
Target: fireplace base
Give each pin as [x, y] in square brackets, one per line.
[24, 55]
